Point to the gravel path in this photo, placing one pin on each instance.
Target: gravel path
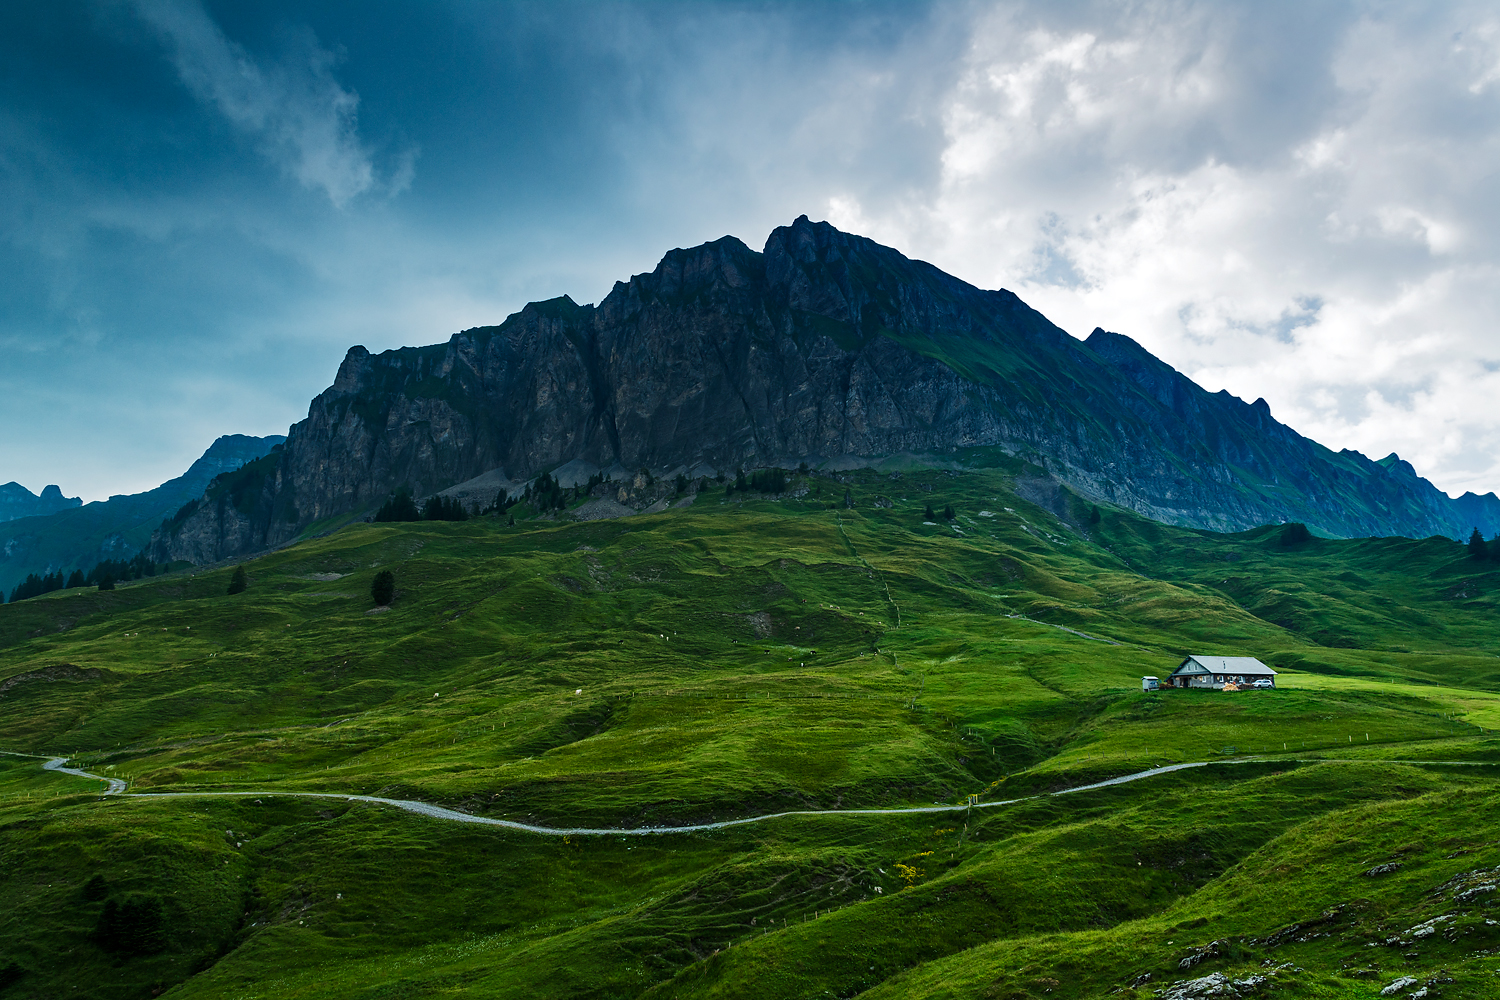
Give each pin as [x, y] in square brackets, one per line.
[117, 788]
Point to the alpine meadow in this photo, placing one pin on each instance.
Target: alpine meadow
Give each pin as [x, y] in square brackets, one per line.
[789, 619]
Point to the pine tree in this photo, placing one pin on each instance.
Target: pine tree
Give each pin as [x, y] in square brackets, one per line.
[927, 513]
[238, 583]
[1094, 517]
[1477, 547]
[948, 514]
[75, 579]
[383, 588]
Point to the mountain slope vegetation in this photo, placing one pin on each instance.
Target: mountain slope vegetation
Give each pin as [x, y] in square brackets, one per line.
[827, 648]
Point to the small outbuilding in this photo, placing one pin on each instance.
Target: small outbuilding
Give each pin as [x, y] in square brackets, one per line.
[1217, 671]
[1149, 683]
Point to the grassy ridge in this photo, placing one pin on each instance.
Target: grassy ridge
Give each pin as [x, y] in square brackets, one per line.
[718, 661]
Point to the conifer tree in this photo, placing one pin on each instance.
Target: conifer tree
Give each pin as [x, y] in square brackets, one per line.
[75, 579]
[238, 583]
[948, 514]
[927, 513]
[1477, 547]
[383, 588]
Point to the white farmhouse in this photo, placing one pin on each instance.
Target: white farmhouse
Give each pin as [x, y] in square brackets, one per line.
[1216, 671]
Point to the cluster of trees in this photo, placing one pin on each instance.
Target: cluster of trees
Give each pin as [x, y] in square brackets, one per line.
[545, 493]
[104, 575]
[401, 507]
[441, 508]
[948, 513]
[761, 481]
[36, 586]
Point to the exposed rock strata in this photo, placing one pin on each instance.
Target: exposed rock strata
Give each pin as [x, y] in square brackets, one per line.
[824, 346]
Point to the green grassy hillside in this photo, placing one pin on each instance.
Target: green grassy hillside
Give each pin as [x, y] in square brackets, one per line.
[733, 659]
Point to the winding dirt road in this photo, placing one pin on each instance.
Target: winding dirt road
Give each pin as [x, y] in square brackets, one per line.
[116, 787]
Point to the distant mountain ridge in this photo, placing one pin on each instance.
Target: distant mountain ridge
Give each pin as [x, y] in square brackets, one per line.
[117, 528]
[823, 347]
[17, 501]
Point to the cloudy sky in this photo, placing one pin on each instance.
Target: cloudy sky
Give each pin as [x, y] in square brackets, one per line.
[204, 204]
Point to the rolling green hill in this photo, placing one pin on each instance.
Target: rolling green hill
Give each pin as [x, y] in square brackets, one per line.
[735, 658]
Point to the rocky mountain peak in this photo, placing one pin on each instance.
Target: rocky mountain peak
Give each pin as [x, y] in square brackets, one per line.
[825, 346]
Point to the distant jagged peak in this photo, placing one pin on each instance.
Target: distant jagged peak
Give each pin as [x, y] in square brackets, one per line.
[16, 501]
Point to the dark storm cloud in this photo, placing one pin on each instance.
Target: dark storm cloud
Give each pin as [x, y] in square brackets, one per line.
[205, 205]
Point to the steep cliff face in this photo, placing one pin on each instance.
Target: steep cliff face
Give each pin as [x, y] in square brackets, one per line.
[822, 346]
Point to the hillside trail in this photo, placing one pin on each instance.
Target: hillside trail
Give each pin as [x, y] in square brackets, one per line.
[116, 788]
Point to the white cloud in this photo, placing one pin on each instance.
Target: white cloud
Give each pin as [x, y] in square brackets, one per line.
[301, 117]
[1313, 223]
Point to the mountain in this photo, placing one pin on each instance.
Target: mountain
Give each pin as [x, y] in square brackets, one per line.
[824, 347]
[17, 501]
[116, 528]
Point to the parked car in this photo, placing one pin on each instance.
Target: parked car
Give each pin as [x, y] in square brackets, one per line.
[1262, 682]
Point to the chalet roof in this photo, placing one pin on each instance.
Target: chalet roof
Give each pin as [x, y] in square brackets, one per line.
[1242, 665]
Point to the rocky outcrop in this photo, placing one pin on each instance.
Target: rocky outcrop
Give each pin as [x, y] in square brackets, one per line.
[821, 347]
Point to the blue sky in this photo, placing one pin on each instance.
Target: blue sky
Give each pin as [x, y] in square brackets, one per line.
[203, 205]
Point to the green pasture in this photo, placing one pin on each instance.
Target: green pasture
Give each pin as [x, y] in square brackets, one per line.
[733, 658]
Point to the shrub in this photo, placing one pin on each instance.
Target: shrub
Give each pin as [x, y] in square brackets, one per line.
[95, 888]
[238, 583]
[383, 588]
[1295, 533]
[138, 926]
